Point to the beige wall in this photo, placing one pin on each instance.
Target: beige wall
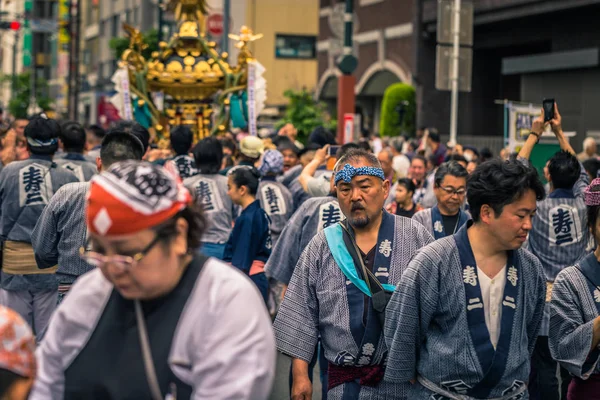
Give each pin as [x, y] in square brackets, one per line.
[270, 17]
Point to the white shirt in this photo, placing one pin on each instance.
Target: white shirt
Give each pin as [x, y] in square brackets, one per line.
[492, 290]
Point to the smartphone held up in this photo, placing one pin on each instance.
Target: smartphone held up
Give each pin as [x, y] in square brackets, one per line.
[548, 106]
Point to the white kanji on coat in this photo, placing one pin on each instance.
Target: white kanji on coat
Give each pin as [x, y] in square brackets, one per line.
[597, 295]
[470, 276]
[438, 227]
[512, 275]
[364, 360]
[368, 349]
[385, 248]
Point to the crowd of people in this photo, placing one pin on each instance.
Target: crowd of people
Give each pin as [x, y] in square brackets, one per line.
[407, 268]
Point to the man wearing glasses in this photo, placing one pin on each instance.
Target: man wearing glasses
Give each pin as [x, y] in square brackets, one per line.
[450, 188]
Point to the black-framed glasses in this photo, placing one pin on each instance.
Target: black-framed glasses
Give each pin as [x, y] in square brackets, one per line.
[451, 191]
[123, 263]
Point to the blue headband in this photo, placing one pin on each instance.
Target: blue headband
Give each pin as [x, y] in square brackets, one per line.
[348, 172]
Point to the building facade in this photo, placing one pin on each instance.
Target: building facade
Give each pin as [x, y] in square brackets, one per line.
[523, 50]
[383, 44]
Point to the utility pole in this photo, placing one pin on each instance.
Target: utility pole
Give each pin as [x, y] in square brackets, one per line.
[347, 64]
[161, 21]
[74, 28]
[454, 78]
[14, 64]
[226, 16]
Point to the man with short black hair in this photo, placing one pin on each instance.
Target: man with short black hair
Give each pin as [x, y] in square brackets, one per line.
[209, 189]
[559, 238]
[26, 187]
[450, 188]
[72, 139]
[181, 143]
[61, 231]
[466, 313]
[328, 296]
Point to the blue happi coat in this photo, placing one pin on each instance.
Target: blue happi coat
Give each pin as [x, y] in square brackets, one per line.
[435, 325]
[574, 307]
[321, 300]
[26, 187]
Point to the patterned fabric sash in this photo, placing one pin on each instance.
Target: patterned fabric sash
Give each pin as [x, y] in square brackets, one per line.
[492, 362]
[18, 259]
[438, 222]
[590, 268]
[369, 375]
[366, 336]
[444, 394]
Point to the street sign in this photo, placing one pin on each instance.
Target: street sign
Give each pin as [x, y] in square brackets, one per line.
[348, 128]
[214, 24]
[445, 22]
[295, 46]
[443, 65]
[27, 46]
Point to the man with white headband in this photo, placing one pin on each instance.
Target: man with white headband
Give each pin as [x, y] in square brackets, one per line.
[340, 287]
[26, 187]
[155, 319]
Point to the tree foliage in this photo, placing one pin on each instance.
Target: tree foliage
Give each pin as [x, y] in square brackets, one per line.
[19, 101]
[305, 113]
[398, 111]
[120, 44]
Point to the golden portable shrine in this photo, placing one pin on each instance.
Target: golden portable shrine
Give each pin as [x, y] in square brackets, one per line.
[188, 82]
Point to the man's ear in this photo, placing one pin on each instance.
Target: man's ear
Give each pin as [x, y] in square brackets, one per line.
[99, 164]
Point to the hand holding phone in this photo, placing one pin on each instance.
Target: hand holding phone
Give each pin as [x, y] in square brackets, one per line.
[332, 150]
[548, 106]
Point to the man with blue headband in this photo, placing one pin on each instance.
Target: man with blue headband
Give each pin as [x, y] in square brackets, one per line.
[341, 284]
[25, 189]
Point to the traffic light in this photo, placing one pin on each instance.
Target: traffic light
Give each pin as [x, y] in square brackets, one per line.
[12, 25]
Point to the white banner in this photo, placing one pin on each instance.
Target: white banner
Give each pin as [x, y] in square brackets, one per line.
[251, 99]
[122, 99]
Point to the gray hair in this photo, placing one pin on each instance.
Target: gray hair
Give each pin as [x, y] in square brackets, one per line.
[356, 155]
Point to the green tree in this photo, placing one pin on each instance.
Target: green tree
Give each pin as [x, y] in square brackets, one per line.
[398, 111]
[19, 102]
[305, 113]
[120, 44]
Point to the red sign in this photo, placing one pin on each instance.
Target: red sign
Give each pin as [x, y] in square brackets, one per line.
[214, 24]
[348, 128]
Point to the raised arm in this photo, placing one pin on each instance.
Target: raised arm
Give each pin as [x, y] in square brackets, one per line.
[308, 172]
[556, 124]
[537, 129]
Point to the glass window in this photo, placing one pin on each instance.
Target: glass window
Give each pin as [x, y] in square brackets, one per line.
[115, 26]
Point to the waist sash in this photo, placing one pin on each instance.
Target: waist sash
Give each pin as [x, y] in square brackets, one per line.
[257, 267]
[18, 259]
[369, 375]
[446, 394]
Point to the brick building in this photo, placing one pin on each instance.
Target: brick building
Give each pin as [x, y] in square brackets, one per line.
[523, 50]
[383, 44]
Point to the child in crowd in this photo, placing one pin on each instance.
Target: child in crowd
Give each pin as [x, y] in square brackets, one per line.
[249, 244]
[404, 204]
